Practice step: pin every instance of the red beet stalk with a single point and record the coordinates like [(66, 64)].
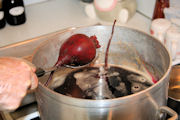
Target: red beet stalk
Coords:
[(107, 49), (77, 50)]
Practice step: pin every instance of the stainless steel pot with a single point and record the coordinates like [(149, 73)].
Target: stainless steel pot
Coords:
[(149, 104), (174, 89)]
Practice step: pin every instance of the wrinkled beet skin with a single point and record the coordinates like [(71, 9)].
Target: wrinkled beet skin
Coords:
[(79, 49)]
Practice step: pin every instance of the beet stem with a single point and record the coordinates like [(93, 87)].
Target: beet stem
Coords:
[(107, 49), (49, 79), (61, 61)]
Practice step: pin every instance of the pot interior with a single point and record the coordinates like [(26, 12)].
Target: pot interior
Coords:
[(130, 50)]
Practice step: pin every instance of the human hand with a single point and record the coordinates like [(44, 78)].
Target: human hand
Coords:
[(16, 77)]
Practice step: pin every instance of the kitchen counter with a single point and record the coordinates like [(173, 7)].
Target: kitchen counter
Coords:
[(54, 15)]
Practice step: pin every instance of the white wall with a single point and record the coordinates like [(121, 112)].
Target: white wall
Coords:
[(29, 2), (146, 7)]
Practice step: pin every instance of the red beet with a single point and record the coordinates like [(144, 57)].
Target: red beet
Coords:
[(77, 50)]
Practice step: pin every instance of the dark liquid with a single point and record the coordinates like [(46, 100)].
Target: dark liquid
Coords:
[(85, 83)]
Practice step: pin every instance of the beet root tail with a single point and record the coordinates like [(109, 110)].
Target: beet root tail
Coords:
[(95, 41)]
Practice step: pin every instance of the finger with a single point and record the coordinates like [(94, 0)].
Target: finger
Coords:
[(11, 100), (11, 60), (32, 66), (34, 81), (18, 91), (11, 103)]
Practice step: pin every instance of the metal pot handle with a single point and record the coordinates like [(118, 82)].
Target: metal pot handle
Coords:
[(162, 110), (169, 111)]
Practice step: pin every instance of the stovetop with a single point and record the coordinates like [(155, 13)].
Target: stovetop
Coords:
[(26, 112)]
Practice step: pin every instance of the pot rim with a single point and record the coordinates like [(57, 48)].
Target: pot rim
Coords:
[(142, 94), (177, 100)]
